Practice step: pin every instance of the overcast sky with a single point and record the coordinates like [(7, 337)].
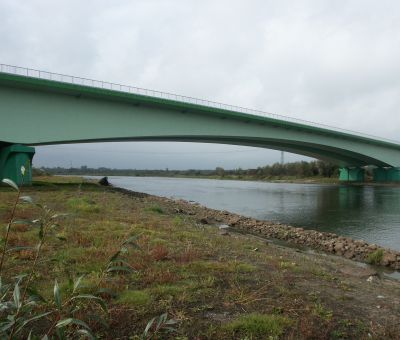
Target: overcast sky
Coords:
[(333, 62)]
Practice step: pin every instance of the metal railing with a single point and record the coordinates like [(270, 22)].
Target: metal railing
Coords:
[(32, 73)]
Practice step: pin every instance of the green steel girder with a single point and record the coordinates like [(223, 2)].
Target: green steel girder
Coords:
[(41, 112)]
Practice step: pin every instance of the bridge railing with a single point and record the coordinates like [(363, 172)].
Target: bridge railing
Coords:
[(32, 73)]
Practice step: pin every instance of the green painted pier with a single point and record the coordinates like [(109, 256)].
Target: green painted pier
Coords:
[(43, 108)]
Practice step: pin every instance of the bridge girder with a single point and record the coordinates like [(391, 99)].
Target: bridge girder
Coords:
[(41, 112)]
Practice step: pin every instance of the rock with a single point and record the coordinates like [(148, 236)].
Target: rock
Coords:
[(339, 246), (104, 181), (349, 254), (388, 258), (223, 226)]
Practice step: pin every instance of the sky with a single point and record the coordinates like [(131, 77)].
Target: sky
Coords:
[(332, 62)]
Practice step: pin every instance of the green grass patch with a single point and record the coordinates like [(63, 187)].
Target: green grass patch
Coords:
[(83, 204), (245, 268), (259, 326), (135, 298), (375, 257), (166, 290), (156, 209)]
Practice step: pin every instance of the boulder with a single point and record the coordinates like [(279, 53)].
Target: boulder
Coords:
[(388, 258)]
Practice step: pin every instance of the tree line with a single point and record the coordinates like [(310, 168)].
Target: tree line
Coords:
[(294, 169)]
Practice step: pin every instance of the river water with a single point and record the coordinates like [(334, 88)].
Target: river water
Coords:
[(371, 213)]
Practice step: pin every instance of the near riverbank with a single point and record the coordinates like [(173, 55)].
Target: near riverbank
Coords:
[(357, 250), (216, 283)]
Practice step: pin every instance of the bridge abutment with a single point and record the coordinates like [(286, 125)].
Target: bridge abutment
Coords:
[(387, 174), (12, 158), (352, 174)]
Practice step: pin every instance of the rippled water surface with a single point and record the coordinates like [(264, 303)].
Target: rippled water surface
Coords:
[(371, 213)]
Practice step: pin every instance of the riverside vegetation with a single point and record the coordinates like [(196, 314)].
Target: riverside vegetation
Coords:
[(81, 260), (318, 171)]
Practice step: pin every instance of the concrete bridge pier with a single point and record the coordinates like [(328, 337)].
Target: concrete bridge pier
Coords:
[(352, 174), (390, 174), (12, 158)]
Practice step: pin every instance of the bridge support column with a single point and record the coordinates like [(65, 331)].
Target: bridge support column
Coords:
[(351, 174), (12, 158), (386, 175)]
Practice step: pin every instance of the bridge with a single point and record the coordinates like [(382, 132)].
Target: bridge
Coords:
[(43, 108)]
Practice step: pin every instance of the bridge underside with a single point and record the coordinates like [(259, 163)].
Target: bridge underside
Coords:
[(41, 112), (12, 157)]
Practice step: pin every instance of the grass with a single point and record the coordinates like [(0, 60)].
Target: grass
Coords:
[(375, 257), (83, 205), (134, 298), (216, 286), (258, 326), (156, 209)]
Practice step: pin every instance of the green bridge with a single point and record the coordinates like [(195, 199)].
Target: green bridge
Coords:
[(42, 108)]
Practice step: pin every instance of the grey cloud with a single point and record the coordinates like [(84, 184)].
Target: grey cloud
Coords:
[(333, 62)]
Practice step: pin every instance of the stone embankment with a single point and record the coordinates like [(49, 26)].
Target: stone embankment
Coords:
[(328, 242)]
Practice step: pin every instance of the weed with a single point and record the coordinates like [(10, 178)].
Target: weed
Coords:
[(159, 253), (375, 257), (158, 325), (322, 312)]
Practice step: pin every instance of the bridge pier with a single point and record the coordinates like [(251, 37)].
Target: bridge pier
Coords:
[(12, 158), (386, 174), (352, 174)]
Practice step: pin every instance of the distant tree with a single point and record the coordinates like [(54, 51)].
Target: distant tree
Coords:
[(219, 171)]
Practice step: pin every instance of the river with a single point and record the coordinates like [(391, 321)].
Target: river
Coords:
[(370, 213)]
